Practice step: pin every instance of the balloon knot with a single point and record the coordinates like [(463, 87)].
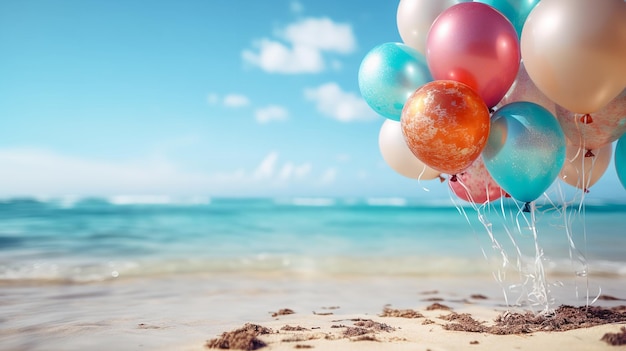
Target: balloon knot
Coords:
[(441, 178), (589, 153), (526, 207), (491, 110), (453, 178), (586, 119), (586, 190)]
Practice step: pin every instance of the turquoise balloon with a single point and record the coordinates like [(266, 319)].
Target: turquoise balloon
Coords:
[(389, 74), (525, 150), (515, 10), (620, 160)]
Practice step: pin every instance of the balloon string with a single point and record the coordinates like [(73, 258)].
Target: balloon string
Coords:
[(540, 288)]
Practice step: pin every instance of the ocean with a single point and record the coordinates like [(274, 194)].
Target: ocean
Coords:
[(161, 273), (74, 240), (93, 239)]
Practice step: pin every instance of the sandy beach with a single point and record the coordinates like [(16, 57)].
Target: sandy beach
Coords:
[(186, 312)]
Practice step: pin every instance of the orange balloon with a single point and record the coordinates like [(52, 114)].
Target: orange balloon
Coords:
[(446, 125)]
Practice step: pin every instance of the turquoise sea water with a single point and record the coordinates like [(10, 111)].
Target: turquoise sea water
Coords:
[(87, 240), (136, 273)]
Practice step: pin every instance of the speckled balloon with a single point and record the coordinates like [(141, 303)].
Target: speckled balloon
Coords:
[(607, 125), (476, 185), (523, 89), (389, 74), (525, 151), (446, 125)]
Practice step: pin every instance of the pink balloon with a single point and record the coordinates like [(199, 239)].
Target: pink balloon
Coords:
[(523, 89), (473, 43), (475, 184), (607, 124)]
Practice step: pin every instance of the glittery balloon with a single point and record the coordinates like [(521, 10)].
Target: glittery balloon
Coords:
[(389, 74), (605, 125), (475, 184), (523, 89), (525, 151), (446, 125), (620, 160)]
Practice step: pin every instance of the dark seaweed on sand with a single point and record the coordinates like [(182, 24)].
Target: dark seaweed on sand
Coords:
[(564, 318), (244, 338)]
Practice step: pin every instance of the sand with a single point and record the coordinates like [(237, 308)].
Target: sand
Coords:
[(427, 329), (187, 312)]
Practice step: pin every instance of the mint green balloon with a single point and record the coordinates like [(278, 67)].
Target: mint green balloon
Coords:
[(515, 10), (620, 160), (525, 150), (389, 74)]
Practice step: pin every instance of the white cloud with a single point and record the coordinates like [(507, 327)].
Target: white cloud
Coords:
[(271, 113), (328, 177), (322, 34), (266, 169), (236, 100), (303, 47), (275, 57), (343, 106), (302, 170), (37, 172)]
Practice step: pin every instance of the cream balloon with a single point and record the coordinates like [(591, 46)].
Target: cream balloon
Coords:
[(523, 89), (575, 51), (414, 18), (397, 154), (582, 169)]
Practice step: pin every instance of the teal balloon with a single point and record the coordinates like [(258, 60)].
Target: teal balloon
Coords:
[(525, 150), (515, 10), (389, 74), (620, 160)]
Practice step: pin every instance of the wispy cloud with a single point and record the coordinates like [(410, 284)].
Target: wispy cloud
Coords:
[(271, 113), (266, 169), (229, 100), (343, 106), (236, 100), (300, 47), (37, 172), (328, 177)]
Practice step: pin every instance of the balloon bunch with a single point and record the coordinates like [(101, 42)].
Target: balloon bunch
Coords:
[(504, 96)]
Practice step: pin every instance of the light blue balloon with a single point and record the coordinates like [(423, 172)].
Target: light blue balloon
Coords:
[(525, 150), (389, 74), (620, 160), (515, 10)]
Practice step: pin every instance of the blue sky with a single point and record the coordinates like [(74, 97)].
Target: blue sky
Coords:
[(188, 98)]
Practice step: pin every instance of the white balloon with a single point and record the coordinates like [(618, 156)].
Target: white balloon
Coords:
[(414, 18), (397, 154)]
